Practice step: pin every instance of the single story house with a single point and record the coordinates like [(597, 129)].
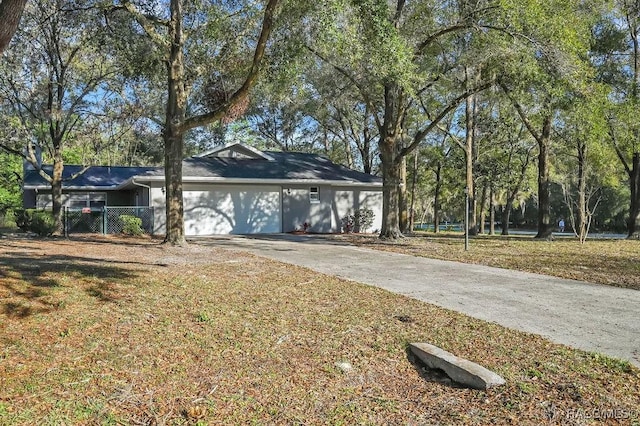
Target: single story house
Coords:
[(234, 189)]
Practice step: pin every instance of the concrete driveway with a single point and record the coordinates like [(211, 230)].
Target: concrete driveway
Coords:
[(582, 315)]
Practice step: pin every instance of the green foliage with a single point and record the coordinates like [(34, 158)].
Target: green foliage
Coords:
[(43, 223), (38, 221), (7, 219), (203, 317), (10, 197), (131, 225), (22, 219), (360, 221)]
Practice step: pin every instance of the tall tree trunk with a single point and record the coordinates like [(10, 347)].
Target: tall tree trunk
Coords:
[(544, 183), (56, 191), (365, 148), (173, 134), (505, 218), (10, 14), (469, 157), (582, 194), (414, 179), (390, 139), (492, 210), (633, 224), (404, 199), (544, 141), (481, 210), (436, 199), (508, 207), (391, 171)]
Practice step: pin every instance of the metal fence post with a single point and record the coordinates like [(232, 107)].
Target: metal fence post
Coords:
[(104, 220)]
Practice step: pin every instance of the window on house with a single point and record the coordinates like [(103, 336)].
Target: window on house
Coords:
[(314, 194), (75, 200), (94, 200)]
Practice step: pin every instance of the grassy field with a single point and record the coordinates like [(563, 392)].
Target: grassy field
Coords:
[(610, 262), (128, 331)]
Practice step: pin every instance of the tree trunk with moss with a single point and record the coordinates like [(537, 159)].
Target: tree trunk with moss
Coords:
[(173, 134), (177, 123), (544, 183), (391, 161), (633, 225), (10, 14)]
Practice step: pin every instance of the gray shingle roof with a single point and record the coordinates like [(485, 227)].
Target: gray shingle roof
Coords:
[(285, 166), (101, 177)]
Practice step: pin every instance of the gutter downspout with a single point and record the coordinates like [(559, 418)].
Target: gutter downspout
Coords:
[(133, 181)]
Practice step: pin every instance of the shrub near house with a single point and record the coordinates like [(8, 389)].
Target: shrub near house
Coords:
[(37, 221), (131, 225), (360, 221)]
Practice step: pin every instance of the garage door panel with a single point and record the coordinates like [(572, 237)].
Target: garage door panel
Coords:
[(232, 210)]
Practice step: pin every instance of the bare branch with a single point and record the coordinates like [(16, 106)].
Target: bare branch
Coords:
[(75, 175), (251, 78), (149, 23), (447, 131), (618, 150), (453, 104), (433, 37), (523, 116)]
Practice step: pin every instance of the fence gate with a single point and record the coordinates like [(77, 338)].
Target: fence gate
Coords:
[(105, 220)]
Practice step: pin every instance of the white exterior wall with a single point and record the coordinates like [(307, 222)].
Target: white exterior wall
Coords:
[(212, 209), (157, 201), (232, 209), (299, 209), (346, 200)]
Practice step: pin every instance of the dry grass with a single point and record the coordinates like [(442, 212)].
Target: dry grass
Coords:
[(610, 262), (114, 331)]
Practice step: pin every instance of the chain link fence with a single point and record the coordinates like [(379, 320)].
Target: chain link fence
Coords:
[(105, 220)]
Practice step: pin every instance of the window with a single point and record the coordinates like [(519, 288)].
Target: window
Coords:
[(95, 200), (75, 200), (314, 194)]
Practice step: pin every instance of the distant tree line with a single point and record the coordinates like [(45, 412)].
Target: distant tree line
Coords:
[(530, 107)]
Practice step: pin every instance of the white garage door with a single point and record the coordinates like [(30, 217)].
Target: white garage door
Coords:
[(232, 209)]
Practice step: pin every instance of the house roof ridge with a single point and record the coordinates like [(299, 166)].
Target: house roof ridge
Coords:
[(210, 153)]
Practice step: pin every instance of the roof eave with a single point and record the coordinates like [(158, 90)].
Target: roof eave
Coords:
[(74, 188), (217, 179)]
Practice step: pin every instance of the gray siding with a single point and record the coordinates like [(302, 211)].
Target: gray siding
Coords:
[(297, 209), (346, 200)]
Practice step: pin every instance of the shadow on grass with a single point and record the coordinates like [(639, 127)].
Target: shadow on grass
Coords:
[(434, 375), (241, 242), (129, 241), (28, 281)]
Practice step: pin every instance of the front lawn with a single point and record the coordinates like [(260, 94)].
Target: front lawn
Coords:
[(127, 331), (610, 262)]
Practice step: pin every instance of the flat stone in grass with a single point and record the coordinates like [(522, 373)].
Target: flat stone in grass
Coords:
[(460, 370)]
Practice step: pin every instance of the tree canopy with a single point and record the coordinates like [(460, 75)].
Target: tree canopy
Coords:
[(531, 106)]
